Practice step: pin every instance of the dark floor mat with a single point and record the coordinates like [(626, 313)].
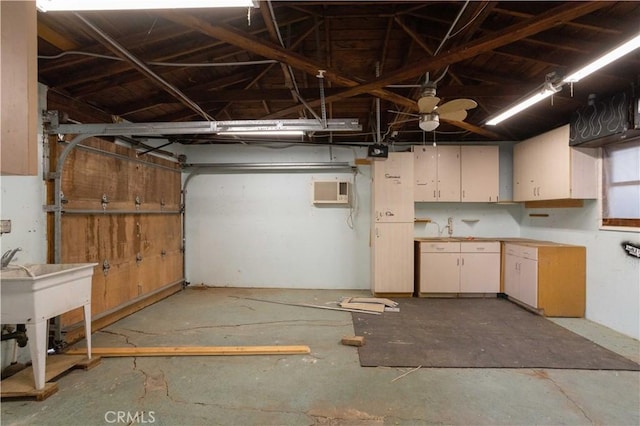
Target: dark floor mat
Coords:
[(476, 333)]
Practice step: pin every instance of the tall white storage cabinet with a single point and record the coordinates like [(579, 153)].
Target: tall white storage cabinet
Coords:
[(392, 225)]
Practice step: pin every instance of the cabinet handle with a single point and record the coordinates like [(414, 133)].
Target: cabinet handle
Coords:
[(458, 262), (438, 193), (463, 261), (434, 193), (463, 194)]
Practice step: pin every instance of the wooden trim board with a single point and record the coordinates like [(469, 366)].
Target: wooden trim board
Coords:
[(195, 351)]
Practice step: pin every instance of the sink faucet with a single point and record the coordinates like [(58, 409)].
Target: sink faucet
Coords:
[(450, 226), (8, 256)]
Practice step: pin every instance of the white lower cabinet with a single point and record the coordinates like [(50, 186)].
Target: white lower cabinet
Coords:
[(392, 263), (550, 277), (521, 273), (459, 267)]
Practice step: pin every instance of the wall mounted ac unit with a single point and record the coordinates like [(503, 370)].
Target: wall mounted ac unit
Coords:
[(331, 192)]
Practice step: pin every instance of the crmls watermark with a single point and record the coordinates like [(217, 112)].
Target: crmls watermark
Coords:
[(129, 417)]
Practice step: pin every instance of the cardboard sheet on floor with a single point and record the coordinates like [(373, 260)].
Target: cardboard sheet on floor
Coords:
[(476, 333)]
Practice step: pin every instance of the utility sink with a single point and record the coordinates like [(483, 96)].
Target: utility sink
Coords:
[(33, 293)]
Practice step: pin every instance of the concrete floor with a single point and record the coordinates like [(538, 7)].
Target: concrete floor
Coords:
[(325, 387)]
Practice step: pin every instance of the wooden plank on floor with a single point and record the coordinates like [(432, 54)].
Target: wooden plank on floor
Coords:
[(196, 350), (373, 307), (384, 301), (22, 384), (353, 340)]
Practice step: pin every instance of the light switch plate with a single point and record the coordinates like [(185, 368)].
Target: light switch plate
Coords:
[(5, 226)]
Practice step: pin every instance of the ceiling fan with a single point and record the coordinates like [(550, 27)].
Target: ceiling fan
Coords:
[(431, 113)]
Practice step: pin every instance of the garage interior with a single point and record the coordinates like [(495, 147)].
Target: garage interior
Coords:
[(149, 144)]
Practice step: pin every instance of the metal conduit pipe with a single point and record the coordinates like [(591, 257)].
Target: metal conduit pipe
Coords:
[(144, 69)]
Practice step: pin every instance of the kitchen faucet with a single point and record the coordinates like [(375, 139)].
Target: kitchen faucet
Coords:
[(8, 256), (450, 226)]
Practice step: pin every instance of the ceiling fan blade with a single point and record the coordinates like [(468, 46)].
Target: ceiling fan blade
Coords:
[(427, 104), (457, 104), (458, 115)]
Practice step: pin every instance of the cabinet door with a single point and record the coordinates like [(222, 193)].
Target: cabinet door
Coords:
[(448, 173), (425, 173), (393, 188), (480, 273), (392, 263), (479, 173), (523, 170), (553, 173), (439, 272), (511, 275), (528, 282)]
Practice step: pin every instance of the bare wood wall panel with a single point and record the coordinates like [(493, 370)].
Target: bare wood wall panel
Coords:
[(19, 88), (143, 250)]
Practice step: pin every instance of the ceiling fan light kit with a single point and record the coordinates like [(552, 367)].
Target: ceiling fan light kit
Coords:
[(430, 112), (429, 122)]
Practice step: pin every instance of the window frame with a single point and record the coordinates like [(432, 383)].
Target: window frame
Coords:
[(613, 224)]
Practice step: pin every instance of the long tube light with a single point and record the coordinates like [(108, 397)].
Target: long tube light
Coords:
[(550, 89), (604, 60), (265, 133), (79, 5), (524, 104)]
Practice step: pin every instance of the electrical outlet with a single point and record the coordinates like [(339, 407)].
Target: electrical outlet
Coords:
[(5, 226)]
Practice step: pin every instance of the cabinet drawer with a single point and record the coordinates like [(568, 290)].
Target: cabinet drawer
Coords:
[(522, 251), (480, 247), (437, 247)]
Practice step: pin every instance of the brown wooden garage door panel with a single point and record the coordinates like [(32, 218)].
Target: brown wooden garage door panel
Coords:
[(87, 176), (143, 250)]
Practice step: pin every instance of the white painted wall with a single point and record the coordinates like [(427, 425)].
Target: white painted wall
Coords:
[(492, 219), (613, 277), (262, 230)]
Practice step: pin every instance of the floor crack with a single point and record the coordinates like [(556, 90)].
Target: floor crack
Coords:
[(114, 333), (544, 375), (291, 323)]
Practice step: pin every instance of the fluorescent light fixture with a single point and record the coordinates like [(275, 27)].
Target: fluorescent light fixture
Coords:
[(265, 133), (550, 88), (547, 91), (604, 60), (78, 5)]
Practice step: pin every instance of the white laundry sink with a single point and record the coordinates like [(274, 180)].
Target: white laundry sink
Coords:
[(33, 293)]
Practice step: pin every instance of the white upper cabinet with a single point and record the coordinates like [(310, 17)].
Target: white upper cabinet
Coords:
[(480, 173), (437, 173), (450, 173), (545, 167)]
